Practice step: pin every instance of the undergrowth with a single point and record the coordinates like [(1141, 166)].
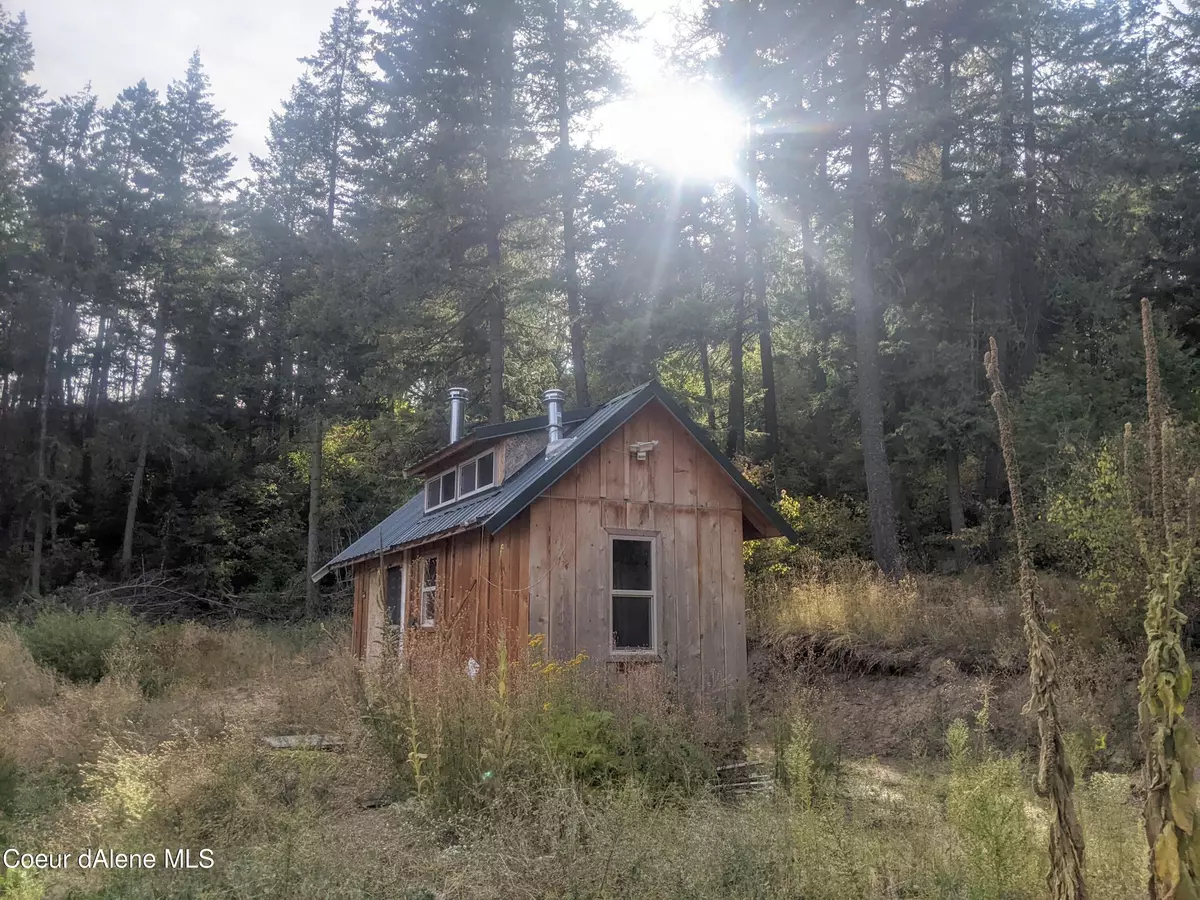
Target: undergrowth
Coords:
[(531, 779)]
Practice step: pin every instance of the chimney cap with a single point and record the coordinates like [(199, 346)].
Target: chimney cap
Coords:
[(554, 394), (459, 393)]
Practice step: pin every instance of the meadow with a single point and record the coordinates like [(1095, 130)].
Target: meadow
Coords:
[(539, 779)]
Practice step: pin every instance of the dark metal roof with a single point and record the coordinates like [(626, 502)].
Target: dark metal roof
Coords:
[(481, 434), (410, 524)]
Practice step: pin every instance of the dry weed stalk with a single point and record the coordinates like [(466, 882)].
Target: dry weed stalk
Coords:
[(1055, 780), (1168, 544)]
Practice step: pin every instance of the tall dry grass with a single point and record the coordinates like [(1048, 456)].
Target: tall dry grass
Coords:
[(851, 598), (178, 761)]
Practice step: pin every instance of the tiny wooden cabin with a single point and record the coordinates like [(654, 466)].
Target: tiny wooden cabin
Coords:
[(614, 532)]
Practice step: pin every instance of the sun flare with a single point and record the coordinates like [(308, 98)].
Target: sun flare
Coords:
[(687, 130)]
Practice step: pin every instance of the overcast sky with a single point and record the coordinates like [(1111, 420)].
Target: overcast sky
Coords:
[(249, 49)]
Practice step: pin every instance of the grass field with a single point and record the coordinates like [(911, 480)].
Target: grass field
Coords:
[(535, 781)]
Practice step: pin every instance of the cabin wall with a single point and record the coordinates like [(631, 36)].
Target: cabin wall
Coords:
[(686, 499), (483, 592)]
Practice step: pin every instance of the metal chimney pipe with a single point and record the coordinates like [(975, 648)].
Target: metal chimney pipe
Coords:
[(458, 407), (553, 399)]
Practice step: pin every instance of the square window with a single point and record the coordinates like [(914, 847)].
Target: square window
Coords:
[(632, 622)]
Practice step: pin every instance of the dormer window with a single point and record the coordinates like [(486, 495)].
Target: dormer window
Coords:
[(440, 490), (477, 474)]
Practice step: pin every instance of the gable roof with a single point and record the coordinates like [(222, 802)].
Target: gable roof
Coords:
[(494, 509)]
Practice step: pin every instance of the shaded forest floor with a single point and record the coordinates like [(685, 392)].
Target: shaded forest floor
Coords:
[(901, 771)]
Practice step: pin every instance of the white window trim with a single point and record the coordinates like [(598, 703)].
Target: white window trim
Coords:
[(432, 621), (438, 478), (635, 652), (471, 461)]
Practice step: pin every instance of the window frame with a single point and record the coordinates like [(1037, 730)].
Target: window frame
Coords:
[(472, 462), (651, 538), (438, 478), (431, 590)]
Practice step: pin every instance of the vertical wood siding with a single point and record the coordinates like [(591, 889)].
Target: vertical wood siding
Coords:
[(684, 497), (549, 571)]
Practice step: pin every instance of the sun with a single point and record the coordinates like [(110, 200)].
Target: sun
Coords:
[(687, 130)]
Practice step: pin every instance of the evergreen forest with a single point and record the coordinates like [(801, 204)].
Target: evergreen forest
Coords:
[(218, 381)]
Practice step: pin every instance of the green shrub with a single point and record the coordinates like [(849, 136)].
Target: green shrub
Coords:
[(986, 804), (598, 750), (76, 644)]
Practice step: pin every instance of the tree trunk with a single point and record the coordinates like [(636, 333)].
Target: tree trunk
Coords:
[(1030, 278), (735, 440), (91, 407), (566, 163), (706, 372), (954, 500), (148, 402), (312, 594), (758, 242), (946, 60), (885, 544), (43, 493), (499, 123)]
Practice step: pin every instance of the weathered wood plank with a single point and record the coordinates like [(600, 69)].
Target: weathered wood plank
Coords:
[(613, 513), (589, 477), (496, 623), (683, 454), (687, 601), (562, 578), (376, 611), (639, 430), (638, 515), (662, 459), (358, 613), (612, 466), (591, 582), (712, 619), (567, 486), (668, 588), (539, 567), (734, 602)]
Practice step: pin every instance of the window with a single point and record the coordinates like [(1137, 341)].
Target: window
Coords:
[(395, 595), (633, 595), (428, 591), (477, 474), (439, 490)]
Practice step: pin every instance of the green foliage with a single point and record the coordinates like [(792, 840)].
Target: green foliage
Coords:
[(76, 644), (829, 529), (986, 802), (1091, 509)]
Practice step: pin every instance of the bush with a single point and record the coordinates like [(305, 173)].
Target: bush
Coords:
[(459, 742), (987, 805), (22, 681), (76, 644), (598, 750)]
